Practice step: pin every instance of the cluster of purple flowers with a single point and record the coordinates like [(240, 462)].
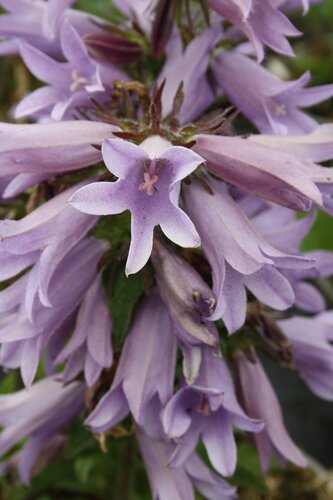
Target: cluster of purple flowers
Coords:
[(115, 132)]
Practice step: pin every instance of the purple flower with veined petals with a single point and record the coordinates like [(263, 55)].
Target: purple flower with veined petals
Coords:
[(207, 410), (44, 236), (268, 102), (28, 325), (281, 228), (189, 299), (244, 258), (188, 67), (91, 337), (38, 23), (316, 146), (142, 11), (144, 377), (178, 483), (311, 339), (50, 148), (261, 402), (149, 185), (38, 413), (278, 176), (260, 21), (71, 84)]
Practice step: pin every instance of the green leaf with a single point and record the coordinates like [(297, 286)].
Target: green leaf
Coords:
[(126, 294), (248, 474), (320, 235)]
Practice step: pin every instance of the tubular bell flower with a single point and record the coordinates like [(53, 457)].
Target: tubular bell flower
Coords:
[(53, 229), (89, 347), (261, 402), (268, 102), (244, 258), (38, 413), (317, 146), (149, 185), (38, 23), (50, 148), (177, 483), (133, 119), (311, 339), (207, 410), (262, 22), (27, 332), (71, 84), (188, 67), (189, 299), (281, 177), (144, 376)]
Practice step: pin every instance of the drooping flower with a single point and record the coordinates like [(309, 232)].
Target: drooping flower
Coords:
[(312, 351), (89, 348), (261, 402), (189, 299), (144, 376), (37, 414), (38, 23), (283, 178), (44, 236), (29, 325), (149, 185), (244, 258), (261, 21), (317, 146), (178, 483), (188, 67), (207, 410), (71, 84), (268, 102), (50, 148)]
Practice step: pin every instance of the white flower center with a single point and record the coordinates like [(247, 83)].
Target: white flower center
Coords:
[(77, 81)]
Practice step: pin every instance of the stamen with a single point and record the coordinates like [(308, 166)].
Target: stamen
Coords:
[(148, 185), (151, 168), (279, 109), (77, 81), (203, 406)]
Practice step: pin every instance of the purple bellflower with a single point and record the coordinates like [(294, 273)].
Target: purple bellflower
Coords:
[(244, 258), (30, 324), (38, 414), (287, 233), (283, 178), (38, 22), (316, 146), (144, 378), (177, 483), (261, 402), (189, 299), (71, 84), (207, 410), (189, 67), (260, 21), (89, 347), (268, 102), (212, 211), (50, 148), (312, 351), (149, 185)]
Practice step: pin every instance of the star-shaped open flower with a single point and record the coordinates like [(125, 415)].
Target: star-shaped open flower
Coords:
[(148, 186)]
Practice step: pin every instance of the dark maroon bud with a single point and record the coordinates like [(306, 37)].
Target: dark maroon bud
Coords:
[(162, 26), (112, 49)]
